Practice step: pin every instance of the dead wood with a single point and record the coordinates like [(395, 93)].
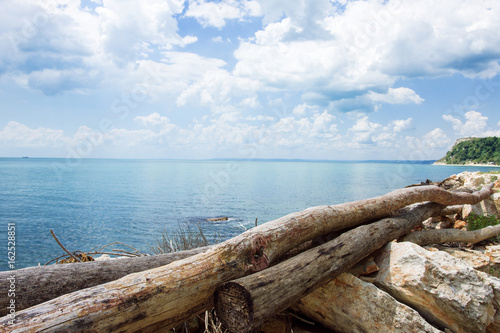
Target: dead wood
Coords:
[(166, 296), (35, 285), (245, 303), (427, 237)]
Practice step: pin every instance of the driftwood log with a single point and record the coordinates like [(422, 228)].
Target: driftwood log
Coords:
[(35, 285), (163, 297), (39, 284), (427, 237), (245, 303)]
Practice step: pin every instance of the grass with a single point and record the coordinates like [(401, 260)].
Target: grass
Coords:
[(184, 238)]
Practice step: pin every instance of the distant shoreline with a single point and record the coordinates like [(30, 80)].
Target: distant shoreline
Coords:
[(468, 164)]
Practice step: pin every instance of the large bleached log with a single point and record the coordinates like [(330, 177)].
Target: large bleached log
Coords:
[(166, 296), (35, 285), (426, 237), (246, 303), (39, 284)]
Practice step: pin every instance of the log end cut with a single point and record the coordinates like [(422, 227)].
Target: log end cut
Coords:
[(234, 307)]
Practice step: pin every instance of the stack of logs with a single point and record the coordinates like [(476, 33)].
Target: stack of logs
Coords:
[(248, 278)]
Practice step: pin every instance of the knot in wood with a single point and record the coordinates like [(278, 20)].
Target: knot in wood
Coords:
[(257, 257)]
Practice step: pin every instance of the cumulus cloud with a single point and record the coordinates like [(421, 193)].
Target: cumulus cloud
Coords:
[(397, 96), (70, 48), (19, 135), (131, 29), (474, 125), (366, 46), (216, 14), (364, 125), (402, 125), (218, 87), (435, 139), (153, 119)]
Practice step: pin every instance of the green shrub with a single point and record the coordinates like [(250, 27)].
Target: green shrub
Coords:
[(476, 222)]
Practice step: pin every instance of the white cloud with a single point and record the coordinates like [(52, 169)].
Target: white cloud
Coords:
[(433, 140), (475, 124), (402, 125), (19, 135), (369, 45), (364, 125), (250, 102), (130, 29), (304, 108), (259, 118), (397, 96), (152, 120), (216, 14), (69, 49), (218, 88)]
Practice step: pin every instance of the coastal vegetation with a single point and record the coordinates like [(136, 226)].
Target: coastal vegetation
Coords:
[(474, 151)]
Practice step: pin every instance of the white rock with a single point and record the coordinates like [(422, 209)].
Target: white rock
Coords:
[(103, 257), (348, 304), (445, 290), (494, 282)]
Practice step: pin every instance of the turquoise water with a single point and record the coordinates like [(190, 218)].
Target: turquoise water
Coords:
[(93, 202)]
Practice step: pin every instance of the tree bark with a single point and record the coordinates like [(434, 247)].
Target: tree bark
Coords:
[(166, 296), (426, 237), (245, 303), (35, 285)]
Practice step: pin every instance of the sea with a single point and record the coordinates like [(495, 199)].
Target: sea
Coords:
[(89, 203)]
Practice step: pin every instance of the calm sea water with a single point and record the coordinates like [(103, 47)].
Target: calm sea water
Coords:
[(93, 202)]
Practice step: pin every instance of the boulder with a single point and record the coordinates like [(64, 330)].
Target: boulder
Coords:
[(445, 290), (348, 304), (469, 181), (477, 259), (494, 282)]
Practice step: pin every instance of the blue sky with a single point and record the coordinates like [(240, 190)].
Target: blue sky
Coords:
[(393, 79)]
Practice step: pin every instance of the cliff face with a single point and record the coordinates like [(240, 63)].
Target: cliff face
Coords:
[(474, 151)]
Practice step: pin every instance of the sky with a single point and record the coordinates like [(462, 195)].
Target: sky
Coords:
[(335, 80)]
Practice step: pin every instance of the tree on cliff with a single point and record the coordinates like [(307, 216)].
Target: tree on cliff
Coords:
[(475, 150)]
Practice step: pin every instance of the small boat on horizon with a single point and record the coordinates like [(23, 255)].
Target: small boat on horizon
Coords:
[(25, 157)]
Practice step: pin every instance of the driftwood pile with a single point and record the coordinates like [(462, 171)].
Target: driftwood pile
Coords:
[(245, 278)]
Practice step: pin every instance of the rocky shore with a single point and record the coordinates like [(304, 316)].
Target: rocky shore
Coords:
[(410, 288)]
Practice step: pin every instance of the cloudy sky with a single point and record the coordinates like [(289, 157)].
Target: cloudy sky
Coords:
[(312, 79)]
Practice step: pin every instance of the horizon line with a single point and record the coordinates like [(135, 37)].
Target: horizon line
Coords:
[(271, 159)]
